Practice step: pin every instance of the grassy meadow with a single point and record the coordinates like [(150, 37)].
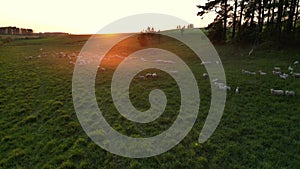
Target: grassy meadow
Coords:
[(39, 127)]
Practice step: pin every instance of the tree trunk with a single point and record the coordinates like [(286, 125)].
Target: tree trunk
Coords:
[(234, 18), (252, 14), (279, 18), (241, 16), (225, 21)]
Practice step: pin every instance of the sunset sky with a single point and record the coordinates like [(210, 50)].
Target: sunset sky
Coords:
[(88, 16)]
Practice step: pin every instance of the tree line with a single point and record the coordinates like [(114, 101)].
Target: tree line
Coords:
[(253, 20)]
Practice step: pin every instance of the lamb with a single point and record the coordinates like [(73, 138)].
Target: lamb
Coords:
[(262, 73), (277, 92), (290, 93)]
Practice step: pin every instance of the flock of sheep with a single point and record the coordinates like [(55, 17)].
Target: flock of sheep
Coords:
[(220, 85), (276, 72)]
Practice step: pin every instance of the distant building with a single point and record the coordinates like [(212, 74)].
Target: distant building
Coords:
[(15, 31), (54, 34)]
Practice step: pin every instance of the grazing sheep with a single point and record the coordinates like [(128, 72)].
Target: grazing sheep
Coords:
[(277, 69), (222, 86), (277, 73), (290, 93), (290, 69), (262, 73), (277, 92), (284, 76), (205, 75), (148, 75), (237, 90), (251, 51), (296, 63), (296, 75), (174, 72), (245, 72), (141, 77), (215, 80), (154, 75), (205, 62)]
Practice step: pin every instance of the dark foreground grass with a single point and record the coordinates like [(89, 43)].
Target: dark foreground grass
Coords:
[(39, 127)]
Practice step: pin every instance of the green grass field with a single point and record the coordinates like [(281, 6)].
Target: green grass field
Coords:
[(39, 127)]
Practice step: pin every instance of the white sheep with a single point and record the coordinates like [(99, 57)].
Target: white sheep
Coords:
[(250, 52), (284, 76), (141, 77), (277, 73), (245, 71), (290, 69), (174, 72), (248, 72), (262, 73), (296, 63), (237, 90), (277, 68), (290, 93), (154, 75), (215, 80), (148, 75), (205, 75), (205, 62), (296, 75), (277, 92), (222, 86)]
